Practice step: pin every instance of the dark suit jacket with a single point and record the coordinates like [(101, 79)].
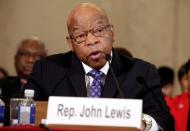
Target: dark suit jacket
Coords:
[(63, 75), (11, 88)]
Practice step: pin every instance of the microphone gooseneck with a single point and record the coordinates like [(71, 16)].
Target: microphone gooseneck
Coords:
[(108, 57)]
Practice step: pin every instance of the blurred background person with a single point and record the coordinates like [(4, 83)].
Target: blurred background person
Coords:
[(179, 105), (182, 78), (3, 73), (29, 51), (188, 74), (167, 80)]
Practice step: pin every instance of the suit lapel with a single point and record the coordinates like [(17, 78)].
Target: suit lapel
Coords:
[(110, 88), (78, 83), (77, 77), (120, 67)]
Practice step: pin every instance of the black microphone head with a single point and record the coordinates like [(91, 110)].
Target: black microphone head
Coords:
[(107, 57)]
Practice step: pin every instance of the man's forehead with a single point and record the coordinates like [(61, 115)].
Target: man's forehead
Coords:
[(85, 14), (86, 9), (31, 46), (88, 25)]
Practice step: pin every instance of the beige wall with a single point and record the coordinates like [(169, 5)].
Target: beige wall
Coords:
[(153, 30)]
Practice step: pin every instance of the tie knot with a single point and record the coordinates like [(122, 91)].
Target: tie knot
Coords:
[(96, 74)]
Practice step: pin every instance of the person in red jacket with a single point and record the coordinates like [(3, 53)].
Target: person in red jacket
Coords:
[(179, 105)]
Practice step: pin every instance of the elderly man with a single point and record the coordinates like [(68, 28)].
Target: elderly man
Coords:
[(29, 51), (85, 71)]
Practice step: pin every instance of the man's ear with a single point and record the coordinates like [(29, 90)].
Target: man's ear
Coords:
[(113, 33), (70, 43)]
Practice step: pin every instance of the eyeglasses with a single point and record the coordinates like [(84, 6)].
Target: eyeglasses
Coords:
[(82, 36)]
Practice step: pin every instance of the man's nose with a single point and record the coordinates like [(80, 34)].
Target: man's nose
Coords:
[(91, 39), (32, 58)]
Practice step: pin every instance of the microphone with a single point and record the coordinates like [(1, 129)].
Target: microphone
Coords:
[(142, 81), (108, 57)]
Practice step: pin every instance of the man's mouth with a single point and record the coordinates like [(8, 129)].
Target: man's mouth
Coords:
[(95, 55), (29, 69)]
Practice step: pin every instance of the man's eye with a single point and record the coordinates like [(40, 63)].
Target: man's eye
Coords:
[(80, 36), (23, 53), (99, 30)]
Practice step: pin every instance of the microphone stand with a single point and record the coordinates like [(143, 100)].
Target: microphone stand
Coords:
[(108, 57)]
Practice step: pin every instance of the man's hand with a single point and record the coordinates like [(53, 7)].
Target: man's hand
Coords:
[(143, 125)]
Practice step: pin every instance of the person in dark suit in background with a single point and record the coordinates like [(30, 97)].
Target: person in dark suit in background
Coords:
[(75, 73), (167, 80), (29, 51)]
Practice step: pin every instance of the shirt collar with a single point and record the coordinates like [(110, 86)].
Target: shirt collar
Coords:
[(104, 69)]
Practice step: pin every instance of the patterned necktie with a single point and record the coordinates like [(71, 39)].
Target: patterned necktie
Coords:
[(96, 87)]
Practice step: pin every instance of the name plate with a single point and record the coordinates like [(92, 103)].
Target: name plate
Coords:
[(94, 111)]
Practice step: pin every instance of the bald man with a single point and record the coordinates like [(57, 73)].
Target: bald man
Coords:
[(85, 72), (29, 51)]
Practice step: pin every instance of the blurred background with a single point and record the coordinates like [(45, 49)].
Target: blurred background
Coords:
[(157, 31)]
